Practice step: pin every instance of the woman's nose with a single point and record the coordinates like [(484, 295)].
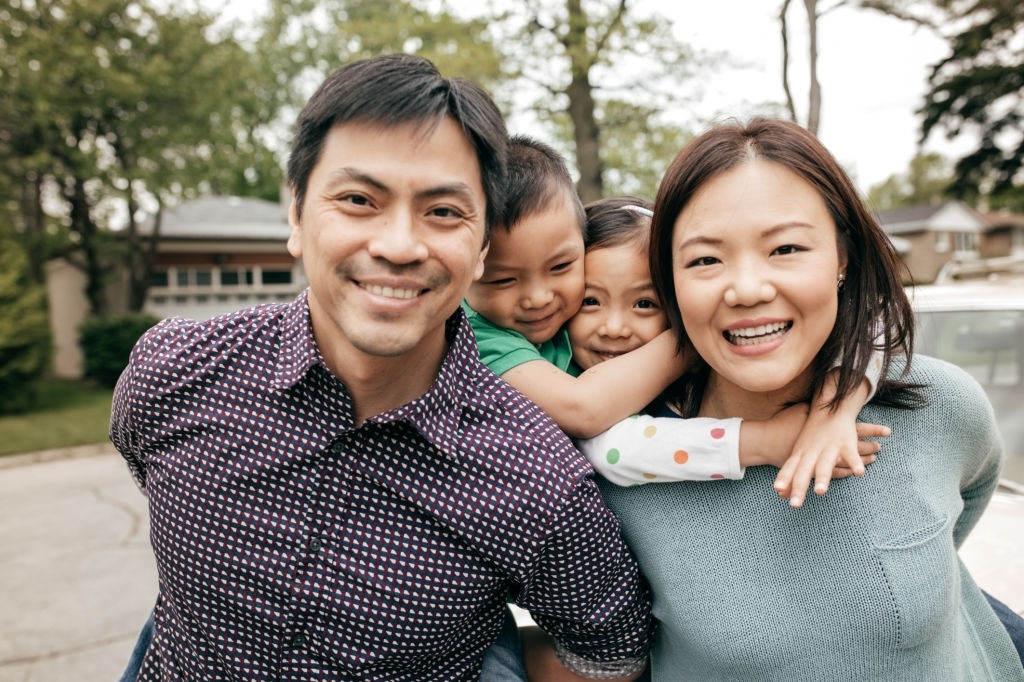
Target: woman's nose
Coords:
[(749, 286)]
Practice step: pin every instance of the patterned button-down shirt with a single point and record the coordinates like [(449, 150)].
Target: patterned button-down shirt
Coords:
[(292, 545)]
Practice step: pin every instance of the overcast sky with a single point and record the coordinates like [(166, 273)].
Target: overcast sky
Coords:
[(872, 70)]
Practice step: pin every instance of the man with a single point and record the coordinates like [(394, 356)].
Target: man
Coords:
[(338, 489)]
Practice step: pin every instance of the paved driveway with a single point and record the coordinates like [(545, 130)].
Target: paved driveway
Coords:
[(77, 577)]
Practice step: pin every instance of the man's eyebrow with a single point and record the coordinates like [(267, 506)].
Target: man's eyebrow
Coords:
[(457, 189)]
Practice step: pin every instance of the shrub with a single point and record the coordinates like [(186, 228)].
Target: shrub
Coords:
[(25, 346), (106, 342)]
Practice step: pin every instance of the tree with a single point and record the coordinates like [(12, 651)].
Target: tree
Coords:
[(926, 182), (132, 107), (976, 91), (600, 72), (24, 329)]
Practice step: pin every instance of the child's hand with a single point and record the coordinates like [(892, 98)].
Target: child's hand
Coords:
[(829, 446)]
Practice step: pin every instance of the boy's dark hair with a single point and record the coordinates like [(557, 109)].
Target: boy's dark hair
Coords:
[(393, 90), (615, 221), (537, 176)]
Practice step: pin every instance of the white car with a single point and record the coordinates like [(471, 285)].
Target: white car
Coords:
[(979, 325)]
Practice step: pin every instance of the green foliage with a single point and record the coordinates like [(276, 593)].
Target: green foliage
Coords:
[(24, 330), (925, 182), (107, 342), (978, 90)]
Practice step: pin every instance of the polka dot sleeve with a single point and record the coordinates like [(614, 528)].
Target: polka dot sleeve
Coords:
[(644, 449)]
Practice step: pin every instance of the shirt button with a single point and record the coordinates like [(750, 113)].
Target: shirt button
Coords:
[(314, 544), (299, 640), (337, 448)]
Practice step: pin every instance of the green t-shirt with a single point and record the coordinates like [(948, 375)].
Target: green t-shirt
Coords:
[(502, 349)]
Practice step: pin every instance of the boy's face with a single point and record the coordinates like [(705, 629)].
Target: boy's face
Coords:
[(620, 311), (533, 274)]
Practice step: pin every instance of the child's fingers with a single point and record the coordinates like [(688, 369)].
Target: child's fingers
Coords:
[(865, 430), (802, 474), (868, 447), (843, 471)]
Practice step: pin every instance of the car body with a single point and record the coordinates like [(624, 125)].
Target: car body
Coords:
[(978, 324)]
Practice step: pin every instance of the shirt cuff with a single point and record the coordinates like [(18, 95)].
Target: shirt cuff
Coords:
[(599, 670)]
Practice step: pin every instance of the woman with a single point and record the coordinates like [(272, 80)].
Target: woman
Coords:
[(771, 267)]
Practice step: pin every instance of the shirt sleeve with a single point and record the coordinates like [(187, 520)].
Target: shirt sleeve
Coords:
[(644, 449), (586, 591)]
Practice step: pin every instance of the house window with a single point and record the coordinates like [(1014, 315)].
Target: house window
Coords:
[(159, 278), (271, 277), (182, 277), (204, 277), (1017, 241), (236, 277), (941, 242), (965, 243)]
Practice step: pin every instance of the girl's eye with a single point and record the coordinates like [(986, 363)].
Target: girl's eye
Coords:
[(589, 301), (647, 304)]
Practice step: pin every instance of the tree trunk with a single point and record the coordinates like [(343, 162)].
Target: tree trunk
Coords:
[(83, 225), (586, 134), (814, 94)]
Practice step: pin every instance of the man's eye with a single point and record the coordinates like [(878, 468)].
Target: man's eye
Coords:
[(446, 212)]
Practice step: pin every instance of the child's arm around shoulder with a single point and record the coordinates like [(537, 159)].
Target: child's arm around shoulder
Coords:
[(586, 405)]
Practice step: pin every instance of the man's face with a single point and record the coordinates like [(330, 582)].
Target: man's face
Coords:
[(533, 280), (391, 236)]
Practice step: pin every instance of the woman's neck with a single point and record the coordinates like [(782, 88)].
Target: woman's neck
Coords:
[(723, 400)]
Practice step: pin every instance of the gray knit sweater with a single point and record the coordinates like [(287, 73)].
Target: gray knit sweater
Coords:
[(863, 583)]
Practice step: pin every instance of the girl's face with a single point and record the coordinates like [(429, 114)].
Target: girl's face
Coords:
[(620, 312), (756, 265)]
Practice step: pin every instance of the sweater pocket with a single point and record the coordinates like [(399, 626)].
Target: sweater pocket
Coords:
[(920, 572)]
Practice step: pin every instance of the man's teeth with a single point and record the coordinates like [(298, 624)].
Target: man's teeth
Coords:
[(391, 292), (759, 334)]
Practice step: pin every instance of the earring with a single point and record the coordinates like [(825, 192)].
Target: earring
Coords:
[(842, 280)]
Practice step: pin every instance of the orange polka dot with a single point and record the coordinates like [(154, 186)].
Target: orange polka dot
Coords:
[(650, 431), (681, 456)]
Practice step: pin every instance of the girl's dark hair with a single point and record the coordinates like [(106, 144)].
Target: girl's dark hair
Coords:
[(615, 221), (393, 90), (874, 311)]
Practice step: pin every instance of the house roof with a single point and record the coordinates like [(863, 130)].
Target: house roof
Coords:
[(235, 218), (952, 216)]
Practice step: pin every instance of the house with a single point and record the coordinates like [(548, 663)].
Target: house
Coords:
[(216, 255), (930, 235)]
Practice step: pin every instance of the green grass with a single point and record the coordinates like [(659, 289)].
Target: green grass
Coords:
[(67, 413)]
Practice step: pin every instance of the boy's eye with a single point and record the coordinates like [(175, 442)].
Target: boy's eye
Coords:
[(561, 267), (502, 281)]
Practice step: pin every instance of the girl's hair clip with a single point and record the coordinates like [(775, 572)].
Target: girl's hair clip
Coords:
[(639, 209)]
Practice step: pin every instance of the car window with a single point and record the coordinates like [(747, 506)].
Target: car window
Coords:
[(989, 344)]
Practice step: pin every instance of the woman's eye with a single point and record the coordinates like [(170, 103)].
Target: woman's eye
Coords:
[(702, 261), (787, 249)]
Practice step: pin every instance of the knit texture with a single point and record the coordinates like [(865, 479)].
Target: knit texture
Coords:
[(863, 583)]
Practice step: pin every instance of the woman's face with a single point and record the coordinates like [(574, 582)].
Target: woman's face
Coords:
[(620, 311), (756, 266)]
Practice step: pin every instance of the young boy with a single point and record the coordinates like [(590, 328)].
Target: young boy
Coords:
[(533, 283)]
